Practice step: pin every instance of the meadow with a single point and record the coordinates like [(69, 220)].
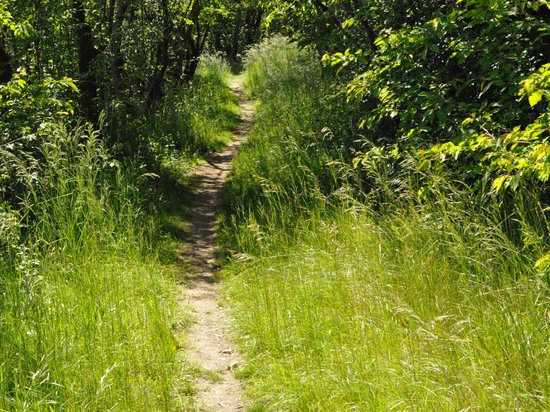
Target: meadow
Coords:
[(89, 268)]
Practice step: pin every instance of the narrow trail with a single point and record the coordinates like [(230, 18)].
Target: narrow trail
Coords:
[(209, 345)]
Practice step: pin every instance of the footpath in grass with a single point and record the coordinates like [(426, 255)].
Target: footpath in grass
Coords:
[(90, 261), (210, 348)]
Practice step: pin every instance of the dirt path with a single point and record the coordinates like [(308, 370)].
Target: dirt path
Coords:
[(209, 344)]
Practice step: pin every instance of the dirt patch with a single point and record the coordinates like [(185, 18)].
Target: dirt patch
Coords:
[(210, 347)]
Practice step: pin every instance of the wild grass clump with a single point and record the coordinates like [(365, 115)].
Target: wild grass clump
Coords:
[(291, 163), (275, 64), (86, 311), (401, 303), (414, 310), (198, 117)]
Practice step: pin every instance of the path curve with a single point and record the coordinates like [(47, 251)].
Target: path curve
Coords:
[(209, 345)]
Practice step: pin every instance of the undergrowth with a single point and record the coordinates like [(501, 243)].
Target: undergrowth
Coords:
[(88, 312), (345, 300), (195, 119)]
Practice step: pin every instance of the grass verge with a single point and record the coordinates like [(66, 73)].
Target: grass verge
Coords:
[(356, 305), (88, 270)]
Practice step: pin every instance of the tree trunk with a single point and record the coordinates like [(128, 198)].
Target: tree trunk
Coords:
[(254, 24), (195, 54), (117, 11), (236, 37), (365, 22), (87, 53), (6, 69), (180, 46), (155, 92), (195, 40)]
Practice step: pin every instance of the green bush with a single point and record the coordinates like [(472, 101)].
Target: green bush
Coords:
[(194, 119)]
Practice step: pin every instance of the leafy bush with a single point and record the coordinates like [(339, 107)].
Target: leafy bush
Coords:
[(195, 118), (515, 158)]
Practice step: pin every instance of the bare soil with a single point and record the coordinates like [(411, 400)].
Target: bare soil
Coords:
[(209, 344)]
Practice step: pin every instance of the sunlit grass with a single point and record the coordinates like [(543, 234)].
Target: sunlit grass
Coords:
[(89, 273), (87, 311), (346, 304), (197, 117), (394, 313)]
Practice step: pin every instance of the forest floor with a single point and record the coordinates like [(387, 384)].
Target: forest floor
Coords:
[(209, 344)]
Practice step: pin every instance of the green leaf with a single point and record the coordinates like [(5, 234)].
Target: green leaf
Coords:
[(535, 97), (543, 263), (498, 182)]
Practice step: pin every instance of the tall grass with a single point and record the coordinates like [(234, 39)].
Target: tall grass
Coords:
[(88, 313), (85, 314), (291, 163), (195, 118), (411, 306)]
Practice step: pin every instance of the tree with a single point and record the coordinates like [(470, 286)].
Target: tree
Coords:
[(87, 53)]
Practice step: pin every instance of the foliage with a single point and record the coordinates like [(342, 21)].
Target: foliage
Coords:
[(122, 57), (194, 119), (441, 77), (87, 313), (197, 117), (521, 155), (235, 27), (347, 301)]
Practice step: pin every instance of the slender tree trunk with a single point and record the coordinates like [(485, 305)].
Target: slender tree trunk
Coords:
[(6, 69), (236, 37), (196, 40), (180, 45), (87, 53), (365, 22), (117, 12), (254, 24), (155, 92)]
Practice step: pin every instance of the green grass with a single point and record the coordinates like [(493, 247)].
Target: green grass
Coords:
[(86, 311), (403, 312), (194, 119), (89, 271), (199, 117), (350, 301)]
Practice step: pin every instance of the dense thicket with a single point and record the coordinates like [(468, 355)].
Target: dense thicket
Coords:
[(75, 59), (469, 75), (458, 89)]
